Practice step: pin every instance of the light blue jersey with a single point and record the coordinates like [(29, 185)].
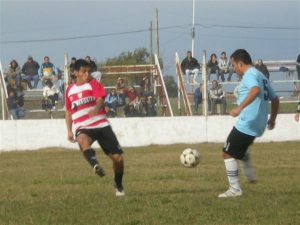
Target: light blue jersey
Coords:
[(253, 118)]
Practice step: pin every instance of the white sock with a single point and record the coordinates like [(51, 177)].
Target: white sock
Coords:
[(248, 168), (232, 173)]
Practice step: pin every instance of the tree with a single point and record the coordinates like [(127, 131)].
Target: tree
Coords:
[(171, 85), (138, 56)]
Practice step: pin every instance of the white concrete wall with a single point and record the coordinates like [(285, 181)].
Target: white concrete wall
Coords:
[(36, 134)]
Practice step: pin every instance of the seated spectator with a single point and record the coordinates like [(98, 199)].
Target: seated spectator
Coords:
[(48, 71), (92, 64), (30, 70), (151, 106), (262, 68), (130, 111), (146, 87), (224, 67), (14, 72), (14, 108), (50, 94), (198, 98), (112, 101), (121, 90), (190, 67), (217, 96), (212, 66)]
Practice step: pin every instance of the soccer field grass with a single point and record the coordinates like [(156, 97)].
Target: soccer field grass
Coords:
[(57, 186)]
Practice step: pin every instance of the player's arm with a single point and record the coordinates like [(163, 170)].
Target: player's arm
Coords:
[(274, 112), (99, 105), (69, 126), (297, 115), (253, 93)]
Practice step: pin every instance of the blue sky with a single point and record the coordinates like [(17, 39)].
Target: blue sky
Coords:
[(221, 26)]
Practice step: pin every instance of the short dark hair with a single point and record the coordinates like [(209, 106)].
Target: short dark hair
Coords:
[(80, 63), (241, 55)]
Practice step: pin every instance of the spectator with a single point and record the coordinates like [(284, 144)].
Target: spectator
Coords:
[(198, 97), (31, 71), (298, 70), (262, 68), (15, 109), (72, 77), (92, 64), (223, 66), (121, 90), (112, 101), (146, 87), (190, 67), (217, 96), (151, 106), (50, 93), (212, 66), (230, 71), (14, 72), (48, 71)]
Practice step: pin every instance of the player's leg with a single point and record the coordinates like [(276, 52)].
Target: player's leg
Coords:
[(235, 149), (248, 168), (110, 145), (85, 143), (118, 167)]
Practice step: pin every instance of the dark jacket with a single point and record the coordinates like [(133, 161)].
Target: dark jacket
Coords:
[(31, 68), (93, 66), (191, 64)]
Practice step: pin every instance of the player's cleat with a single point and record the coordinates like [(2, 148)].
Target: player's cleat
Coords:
[(119, 191), (231, 192), (99, 170)]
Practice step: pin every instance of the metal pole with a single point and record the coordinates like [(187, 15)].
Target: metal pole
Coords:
[(193, 30), (157, 34), (151, 43), (204, 80)]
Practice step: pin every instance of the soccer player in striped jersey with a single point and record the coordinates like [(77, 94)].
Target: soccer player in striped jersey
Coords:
[(86, 116), (254, 94)]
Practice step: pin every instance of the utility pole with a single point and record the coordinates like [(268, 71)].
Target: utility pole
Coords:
[(193, 30), (151, 43), (157, 34)]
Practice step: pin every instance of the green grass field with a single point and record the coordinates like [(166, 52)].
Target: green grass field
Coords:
[(57, 186)]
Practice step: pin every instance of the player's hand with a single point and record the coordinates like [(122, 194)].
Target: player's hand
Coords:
[(271, 124), (71, 137), (297, 116), (93, 112), (235, 112)]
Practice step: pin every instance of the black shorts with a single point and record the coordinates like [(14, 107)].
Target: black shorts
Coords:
[(237, 144), (105, 137)]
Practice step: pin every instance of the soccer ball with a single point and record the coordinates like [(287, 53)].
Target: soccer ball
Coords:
[(190, 157)]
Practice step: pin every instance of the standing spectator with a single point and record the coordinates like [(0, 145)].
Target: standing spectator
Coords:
[(92, 64), (297, 115), (31, 71), (50, 92), (217, 96), (223, 66), (72, 77), (14, 72), (190, 67), (151, 106), (121, 90), (212, 66), (198, 97), (48, 71), (262, 68), (111, 101), (14, 104), (146, 87)]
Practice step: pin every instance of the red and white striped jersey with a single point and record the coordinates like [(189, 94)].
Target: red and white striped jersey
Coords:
[(80, 100)]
